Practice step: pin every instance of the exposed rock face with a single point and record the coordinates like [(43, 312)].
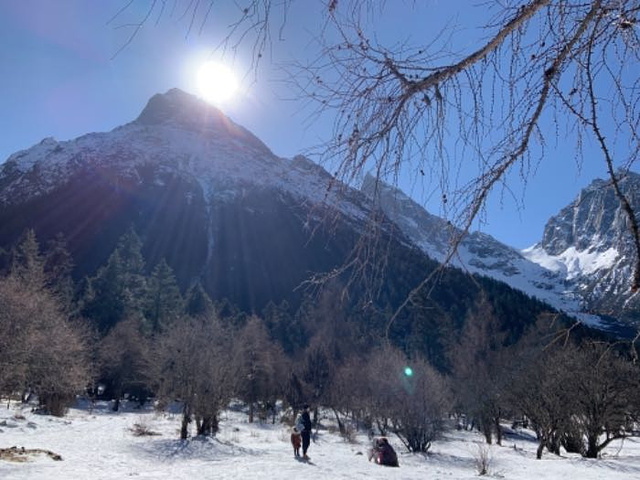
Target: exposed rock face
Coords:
[(583, 265), (479, 253), (590, 243)]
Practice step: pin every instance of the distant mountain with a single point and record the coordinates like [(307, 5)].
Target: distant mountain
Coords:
[(589, 245), (582, 266), (211, 199)]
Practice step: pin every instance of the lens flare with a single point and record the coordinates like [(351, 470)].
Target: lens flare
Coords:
[(216, 82)]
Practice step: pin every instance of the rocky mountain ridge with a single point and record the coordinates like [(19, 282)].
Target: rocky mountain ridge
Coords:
[(589, 244), (582, 266)]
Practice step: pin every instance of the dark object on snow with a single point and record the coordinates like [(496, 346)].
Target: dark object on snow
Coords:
[(21, 454), (383, 453), (296, 441), (303, 423)]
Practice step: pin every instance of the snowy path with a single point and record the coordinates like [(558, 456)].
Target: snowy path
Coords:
[(100, 445)]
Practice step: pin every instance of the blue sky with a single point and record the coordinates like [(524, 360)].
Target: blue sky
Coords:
[(60, 78)]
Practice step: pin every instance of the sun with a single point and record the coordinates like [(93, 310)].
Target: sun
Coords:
[(216, 82)]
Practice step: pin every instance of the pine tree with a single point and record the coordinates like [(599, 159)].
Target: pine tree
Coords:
[(58, 265), (27, 263), (282, 326), (197, 301), (106, 305), (163, 299), (134, 282), (119, 287)]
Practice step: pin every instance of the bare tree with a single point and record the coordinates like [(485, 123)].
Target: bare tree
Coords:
[(478, 372), (540, 391), (605, 388), (349, 393), (123, 360), (258, 363), (191, 365), (403, 396), (41, 352), (396, 106), (418, 416)]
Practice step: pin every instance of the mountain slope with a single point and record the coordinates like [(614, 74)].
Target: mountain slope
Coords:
[(212, 200), (478, 253), (205, 194), (589, 244), (582, 266)]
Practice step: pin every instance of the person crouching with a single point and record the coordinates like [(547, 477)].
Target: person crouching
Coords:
[(296, 441), (383, 453)]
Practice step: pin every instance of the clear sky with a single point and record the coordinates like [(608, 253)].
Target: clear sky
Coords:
[(60, 78)]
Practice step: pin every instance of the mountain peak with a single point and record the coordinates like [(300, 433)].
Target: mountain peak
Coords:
[(185, 111), (177, 106)]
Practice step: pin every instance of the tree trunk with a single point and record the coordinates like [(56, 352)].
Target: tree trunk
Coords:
[(498, 430), (250, 412), (186, 419), (340, 424), (553, 444), (540, 449), (206, 426), (592, 447), (486, 431)]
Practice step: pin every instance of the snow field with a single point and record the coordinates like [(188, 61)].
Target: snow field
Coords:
[(100, 444)]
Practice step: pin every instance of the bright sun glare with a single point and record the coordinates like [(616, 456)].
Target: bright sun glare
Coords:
[(216, 82)]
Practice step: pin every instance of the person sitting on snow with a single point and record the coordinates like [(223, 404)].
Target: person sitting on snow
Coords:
[(383, 453)]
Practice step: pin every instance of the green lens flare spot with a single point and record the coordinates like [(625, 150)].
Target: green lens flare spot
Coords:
[(408, 371)]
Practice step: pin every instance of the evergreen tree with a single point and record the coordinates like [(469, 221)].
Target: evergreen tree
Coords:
[(134, 282), (105, 303), (197, 301), (27, 263), (283, 327), (163, 299), (58, 266), (119, 287), (130, 248)]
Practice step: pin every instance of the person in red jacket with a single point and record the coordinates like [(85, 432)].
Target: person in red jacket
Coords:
[(296, 441)]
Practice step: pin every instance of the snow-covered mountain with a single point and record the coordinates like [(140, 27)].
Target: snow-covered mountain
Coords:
[(212, 200), (582, 266), (176, 133), (589, 244), (203, 192)]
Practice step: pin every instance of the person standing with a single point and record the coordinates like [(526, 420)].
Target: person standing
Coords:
[(303, 424)]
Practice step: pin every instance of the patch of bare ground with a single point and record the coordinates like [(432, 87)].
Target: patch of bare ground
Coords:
[(21, 454)]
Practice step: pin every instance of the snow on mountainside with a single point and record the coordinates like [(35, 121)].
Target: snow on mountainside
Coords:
[(176, 132), (203, 193), (589, 243), (582, 264), (482, 254)]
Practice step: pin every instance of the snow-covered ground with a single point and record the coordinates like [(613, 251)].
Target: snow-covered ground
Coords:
[(99, 444)]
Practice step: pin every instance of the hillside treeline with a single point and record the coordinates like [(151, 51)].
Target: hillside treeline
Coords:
[(130, 332)]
